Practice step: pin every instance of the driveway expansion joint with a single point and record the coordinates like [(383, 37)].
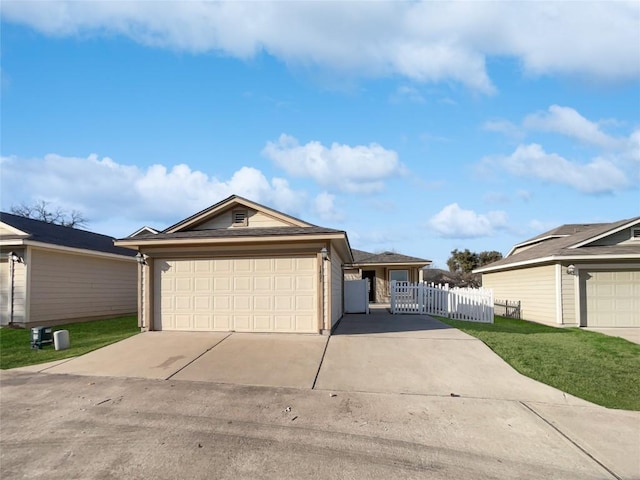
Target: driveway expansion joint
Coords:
[(196, 358), (570, 440)]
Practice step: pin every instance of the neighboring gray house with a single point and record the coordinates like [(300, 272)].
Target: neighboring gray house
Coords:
[(381, 268), (579, 274), (50, 274)]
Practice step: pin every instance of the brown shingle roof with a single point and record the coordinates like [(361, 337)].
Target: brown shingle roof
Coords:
[(561, 246), (238, 232), (362, 257)]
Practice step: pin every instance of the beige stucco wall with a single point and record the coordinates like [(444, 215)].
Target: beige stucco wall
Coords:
[(19, 289), (535, 287), (69, 286)]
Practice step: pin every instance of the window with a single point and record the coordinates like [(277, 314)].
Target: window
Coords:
[(399, 275), (239, 218)]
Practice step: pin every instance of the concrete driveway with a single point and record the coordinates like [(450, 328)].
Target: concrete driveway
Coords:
[(376, 353), (428, 399)]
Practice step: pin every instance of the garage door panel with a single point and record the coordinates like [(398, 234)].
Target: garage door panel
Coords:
[(262, 323), (612, 298), (242, 283), (222, 284), (202, 322), (247, 294), (284, 283), (283, 323), (222, 322), (263, 303), (262, 284), (242, 323), (242, 265)]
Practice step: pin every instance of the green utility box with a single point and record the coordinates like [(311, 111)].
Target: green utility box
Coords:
[(41, 336)]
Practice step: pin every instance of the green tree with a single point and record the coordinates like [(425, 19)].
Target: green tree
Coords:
[(463, 262)]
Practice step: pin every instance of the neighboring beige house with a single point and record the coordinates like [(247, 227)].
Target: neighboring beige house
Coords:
[(580, 275), (381, 268), (241, 266), (51, 274)]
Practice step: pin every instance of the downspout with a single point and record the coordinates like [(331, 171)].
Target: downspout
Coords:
[(12, 268), (13, 258), (142, 262)]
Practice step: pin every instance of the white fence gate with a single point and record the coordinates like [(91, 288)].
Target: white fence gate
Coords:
[(471, 304), (356, 296)]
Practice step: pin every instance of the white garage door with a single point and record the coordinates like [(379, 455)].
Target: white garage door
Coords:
[(613, 298), (240, 294)]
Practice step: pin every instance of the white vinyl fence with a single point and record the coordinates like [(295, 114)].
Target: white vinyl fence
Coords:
[(471, 304)]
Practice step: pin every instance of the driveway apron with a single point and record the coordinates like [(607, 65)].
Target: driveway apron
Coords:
[(388, 353)]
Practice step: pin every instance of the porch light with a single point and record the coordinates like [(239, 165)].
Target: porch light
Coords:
[(15, 257), (141, 258), (571, 270), (325, 253)]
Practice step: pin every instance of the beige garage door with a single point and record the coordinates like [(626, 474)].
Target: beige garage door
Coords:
[(239, 294), (613, 298)]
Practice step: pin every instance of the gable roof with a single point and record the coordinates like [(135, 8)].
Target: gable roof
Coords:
[(144, 230), (360, 257), (39, 232), (229, 203), (183, 234), (569, 242)]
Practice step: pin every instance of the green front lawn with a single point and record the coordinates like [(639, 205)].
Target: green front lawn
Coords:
[(15, 344), (601, 369)]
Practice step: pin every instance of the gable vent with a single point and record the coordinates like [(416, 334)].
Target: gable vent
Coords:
[(240, 218), (635, 233)]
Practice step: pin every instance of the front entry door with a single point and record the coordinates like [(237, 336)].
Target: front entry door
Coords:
[(371, 275)]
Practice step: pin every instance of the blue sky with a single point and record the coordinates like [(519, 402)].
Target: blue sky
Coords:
[(416, 127)]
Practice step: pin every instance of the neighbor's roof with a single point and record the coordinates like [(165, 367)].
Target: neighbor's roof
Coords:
[(49, 233), (360, 257), (566, 242)]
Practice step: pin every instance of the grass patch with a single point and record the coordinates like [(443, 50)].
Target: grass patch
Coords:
[(595, 367), (15, 344)]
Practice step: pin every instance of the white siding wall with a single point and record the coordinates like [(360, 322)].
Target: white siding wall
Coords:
[(568, 298), (336, 288), (67, 286), (534, 287), (19, 291)]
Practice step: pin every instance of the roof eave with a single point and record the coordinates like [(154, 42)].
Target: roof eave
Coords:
[(556, 258), (153, 242), (595, 238)]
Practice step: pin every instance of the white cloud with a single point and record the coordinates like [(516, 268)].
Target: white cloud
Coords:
[(455, 222), (362, 168), (568, 122), (102, 188), (407, 93), (325, 208), (421, 41), (600, 175), (503, 126)]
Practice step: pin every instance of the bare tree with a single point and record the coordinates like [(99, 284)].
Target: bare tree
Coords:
[(41, 211)]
